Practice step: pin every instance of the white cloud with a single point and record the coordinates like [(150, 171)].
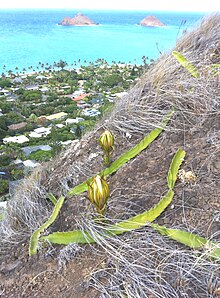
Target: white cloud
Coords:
[(171, 5)]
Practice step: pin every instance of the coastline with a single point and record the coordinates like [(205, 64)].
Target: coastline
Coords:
[(116, 38)]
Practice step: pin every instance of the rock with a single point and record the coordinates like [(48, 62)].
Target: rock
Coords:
[(151, 21), (78, 20), (7, 268)]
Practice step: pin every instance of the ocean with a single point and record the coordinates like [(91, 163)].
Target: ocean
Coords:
[(28, 37)]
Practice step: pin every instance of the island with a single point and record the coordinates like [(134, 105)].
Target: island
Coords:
[(151, 21), (79, 20)]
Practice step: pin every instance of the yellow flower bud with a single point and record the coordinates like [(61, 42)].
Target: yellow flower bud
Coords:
[(98, 192), (107, 141)]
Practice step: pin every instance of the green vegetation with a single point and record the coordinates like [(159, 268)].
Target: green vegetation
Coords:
[(51, 219), (113, 168), (98, 193), (124, 158), (27, 99), (140, 220), (41, 155), (135, 222), (3, 186), (5, 83), (186, 64)]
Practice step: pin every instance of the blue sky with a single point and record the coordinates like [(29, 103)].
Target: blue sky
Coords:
[(170, 5)]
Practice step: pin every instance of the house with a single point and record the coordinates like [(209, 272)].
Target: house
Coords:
[(17, 80), (66, 143), (5, 92), (68, 95), (18, 163), (78, 92), (33, 134), (83, 105), (17, 139), (91, 112), (43, 130), (66, 87), (17, 126), (41, 78), (60, 125), (40, 132), (28, 150), (74, 121), (32, 87), (81, 82), (56, 116), (97, 100), (11, 97), (80, 97), (30, 163), (44, 89)]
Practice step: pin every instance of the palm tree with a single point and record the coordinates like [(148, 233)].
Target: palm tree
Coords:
[(62, 64), (10, 73)]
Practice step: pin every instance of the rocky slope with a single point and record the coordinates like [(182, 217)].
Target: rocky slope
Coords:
[(79, 20), (140, 263), (151, 21)]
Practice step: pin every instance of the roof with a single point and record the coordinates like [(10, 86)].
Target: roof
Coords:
[(56, 116), (33, 134), (76, 120), (42, 129), (82, 96), (60, 125), (17, 126), (29, 150), (17, 139), (30, 163), (91, 112)]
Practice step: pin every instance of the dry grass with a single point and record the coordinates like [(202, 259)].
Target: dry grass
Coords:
[(145, 264)]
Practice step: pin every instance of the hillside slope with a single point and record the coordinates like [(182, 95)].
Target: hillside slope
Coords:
[(141, 263)]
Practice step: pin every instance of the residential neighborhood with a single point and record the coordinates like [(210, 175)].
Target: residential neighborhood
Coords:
[(43, 111)]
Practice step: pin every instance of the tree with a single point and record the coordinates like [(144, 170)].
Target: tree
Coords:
[(13, 118), (13, 151), (61, 64), (4, 185), (41, 155), (33, 118), (3, 124), (78, 131), (3, 133), (112, 80), (54, 136), (5, 83)]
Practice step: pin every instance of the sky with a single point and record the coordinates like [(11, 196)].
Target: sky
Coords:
[(160, 5)]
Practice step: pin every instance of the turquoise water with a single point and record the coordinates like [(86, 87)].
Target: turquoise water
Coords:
[(28, 37)]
